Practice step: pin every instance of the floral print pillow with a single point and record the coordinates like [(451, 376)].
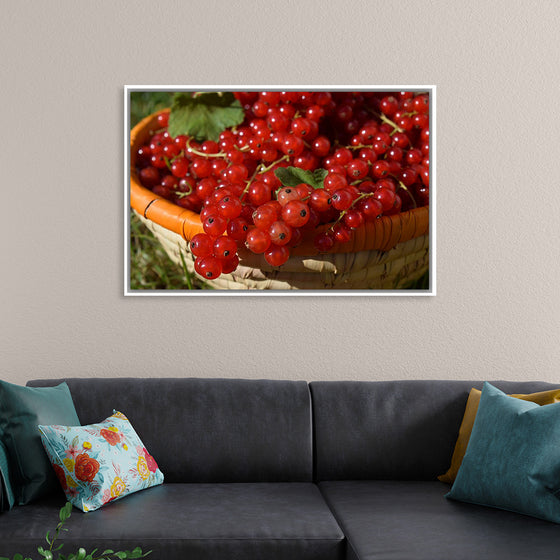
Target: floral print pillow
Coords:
[(99, 463)]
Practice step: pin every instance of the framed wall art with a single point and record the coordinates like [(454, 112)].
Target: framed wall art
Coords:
[(279, 190)]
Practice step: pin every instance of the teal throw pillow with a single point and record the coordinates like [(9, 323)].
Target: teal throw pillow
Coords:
[(6, 491), (21, 410), (512, 460), (99, 463)]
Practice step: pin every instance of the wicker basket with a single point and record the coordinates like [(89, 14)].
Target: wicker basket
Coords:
[(385, 254)]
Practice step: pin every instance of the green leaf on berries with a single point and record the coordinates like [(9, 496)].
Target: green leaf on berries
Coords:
[(294, 176), (204, 115)]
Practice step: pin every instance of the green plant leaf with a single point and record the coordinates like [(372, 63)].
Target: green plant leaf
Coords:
[(121, 555), (46, 554), (294, 176), (204, 116), (18, 556), (106, 552), (65, 512)]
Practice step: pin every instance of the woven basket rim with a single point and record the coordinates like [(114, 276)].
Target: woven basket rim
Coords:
[(382, 234)]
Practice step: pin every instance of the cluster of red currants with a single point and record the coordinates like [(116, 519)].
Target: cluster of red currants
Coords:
[(367, 154)]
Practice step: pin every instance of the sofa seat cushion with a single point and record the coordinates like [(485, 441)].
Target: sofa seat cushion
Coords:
[(235, 521), (401, 520)]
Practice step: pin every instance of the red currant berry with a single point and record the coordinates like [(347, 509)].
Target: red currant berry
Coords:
[(400, 140), (408, 176), (357, 169), (353, 219), (214, 225), (230, 207), (277, 255), (143, 156), (237, 173), (386, 197), (260, 108), (367, 134), (321, 146), (395, 154), (224, 247), (342, 233), (295, 213), (324, 241), (230, 264), (389, 105), (280, 233), (208, 267), (237, 229), (201, 167), (171, 182), (270, 98), (162, 191), (304, 191), (334, 182), (181, 142), (258, 241), (286, 195), (301, 127), (343, 156), (413, 157), (264, 216), (202, 245), (396, 208), (371, 209), (163, 120), (421, 104), (205, 187), (171, 150), (149, 177), (180, 167), (157, 160), (320, 200), (368, 155), (425, 175), (259, 193), (387, 183), (380, 168), (277, 121), (293, 145), (342, 199)]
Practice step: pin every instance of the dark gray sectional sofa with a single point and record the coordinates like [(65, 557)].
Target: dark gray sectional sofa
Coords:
[(286, 470)]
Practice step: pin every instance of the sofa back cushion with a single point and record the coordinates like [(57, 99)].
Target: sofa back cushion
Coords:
[(392, 429), (208, 430)]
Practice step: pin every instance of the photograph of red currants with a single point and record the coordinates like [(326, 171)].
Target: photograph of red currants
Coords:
[(270, 191)]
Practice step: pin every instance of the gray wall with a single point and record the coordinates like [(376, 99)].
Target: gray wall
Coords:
[(495, 65)]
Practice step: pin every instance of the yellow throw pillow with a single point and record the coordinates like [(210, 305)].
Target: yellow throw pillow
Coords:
[(541, 398)]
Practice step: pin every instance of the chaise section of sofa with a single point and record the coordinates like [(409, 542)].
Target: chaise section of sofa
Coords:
[(379, 448), (238, 464), (412, 520)]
